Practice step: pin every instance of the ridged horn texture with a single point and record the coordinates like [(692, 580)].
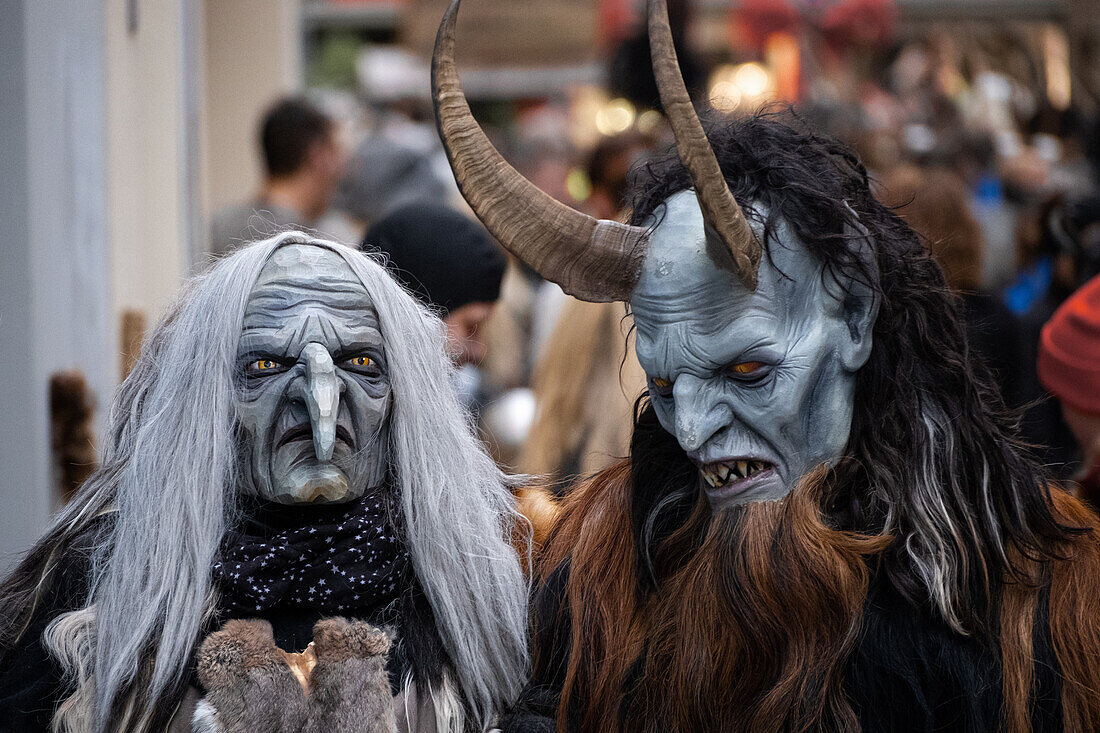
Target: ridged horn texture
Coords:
[(720, 210), (591, 259)]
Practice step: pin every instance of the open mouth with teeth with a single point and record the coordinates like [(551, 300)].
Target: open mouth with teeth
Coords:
[(723, 473)]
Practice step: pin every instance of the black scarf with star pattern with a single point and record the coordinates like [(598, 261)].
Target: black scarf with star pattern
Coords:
[(330, 558)]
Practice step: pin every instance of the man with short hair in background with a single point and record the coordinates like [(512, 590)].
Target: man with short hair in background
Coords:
[(304, 160)]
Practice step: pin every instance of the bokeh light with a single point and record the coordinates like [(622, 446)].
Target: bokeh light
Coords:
[(744, 84), (649, 122), (578, 185), (615, 117)]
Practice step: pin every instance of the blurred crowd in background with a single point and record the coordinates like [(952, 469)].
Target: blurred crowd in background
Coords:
[(969, 129), (143, 139)]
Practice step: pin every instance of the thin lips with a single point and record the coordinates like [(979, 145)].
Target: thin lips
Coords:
[(305, 432)]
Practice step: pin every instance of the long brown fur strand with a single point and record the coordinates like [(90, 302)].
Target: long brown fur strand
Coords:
[(1074, 590), (1072, 571), (1019, 604), (750, 628)]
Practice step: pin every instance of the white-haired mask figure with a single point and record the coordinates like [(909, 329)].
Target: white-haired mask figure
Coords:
[(293, 527)]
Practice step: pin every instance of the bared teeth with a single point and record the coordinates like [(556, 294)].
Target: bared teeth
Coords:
[(718, 474)]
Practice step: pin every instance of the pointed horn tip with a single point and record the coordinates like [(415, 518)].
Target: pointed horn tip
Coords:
[(445, 35)]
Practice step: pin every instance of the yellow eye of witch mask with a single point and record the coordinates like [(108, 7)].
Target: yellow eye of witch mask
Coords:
[(360, 361), (263, 365), (746, 367)]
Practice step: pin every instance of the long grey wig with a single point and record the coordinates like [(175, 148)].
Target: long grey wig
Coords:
[(170, 474)]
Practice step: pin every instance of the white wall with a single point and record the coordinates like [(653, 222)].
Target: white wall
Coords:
[(252, 56), (55, 283), (152, 161)]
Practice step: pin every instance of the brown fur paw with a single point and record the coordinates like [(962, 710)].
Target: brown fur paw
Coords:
[(336, 639), (238, 648)]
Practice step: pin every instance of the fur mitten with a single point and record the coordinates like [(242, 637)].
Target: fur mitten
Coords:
[(249, 687), (350, 689)]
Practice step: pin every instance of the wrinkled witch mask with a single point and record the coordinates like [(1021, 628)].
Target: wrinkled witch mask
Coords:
[(751, 360), (313, 395)]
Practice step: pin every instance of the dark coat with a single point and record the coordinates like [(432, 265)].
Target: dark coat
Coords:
[(32, 685), (908, 671)]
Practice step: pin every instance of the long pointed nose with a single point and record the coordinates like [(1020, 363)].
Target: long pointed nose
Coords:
[(322, 398), (700, 413)]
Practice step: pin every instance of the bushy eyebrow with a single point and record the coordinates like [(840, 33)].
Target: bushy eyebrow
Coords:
[(682, 338)]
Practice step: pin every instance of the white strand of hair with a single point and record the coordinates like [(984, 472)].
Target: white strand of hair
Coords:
[(70, 638), (935, 544), (447, 707)]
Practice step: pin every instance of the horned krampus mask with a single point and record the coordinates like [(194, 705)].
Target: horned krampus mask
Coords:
[(751, 359)]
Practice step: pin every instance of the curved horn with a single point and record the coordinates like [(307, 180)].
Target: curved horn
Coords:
[(594, 260), (720, 209)]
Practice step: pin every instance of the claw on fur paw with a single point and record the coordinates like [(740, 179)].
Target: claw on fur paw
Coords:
[(301, 665)]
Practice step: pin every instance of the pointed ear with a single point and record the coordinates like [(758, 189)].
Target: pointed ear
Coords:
[(861, 302)]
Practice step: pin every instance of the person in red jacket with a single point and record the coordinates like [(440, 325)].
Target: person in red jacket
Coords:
[(1069, 366)]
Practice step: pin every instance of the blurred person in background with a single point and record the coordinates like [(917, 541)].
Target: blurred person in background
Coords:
[(587, 377), (1059, 249), (398, 160), (933, 201), (529, 305), (451, 264), (304, 159), (607, 168), (1069, 366)]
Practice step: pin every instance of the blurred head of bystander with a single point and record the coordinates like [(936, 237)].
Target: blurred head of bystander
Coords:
[(933, 201), (607, 167), (303, 160), (1069, 366), (303, 156), (450, 263)]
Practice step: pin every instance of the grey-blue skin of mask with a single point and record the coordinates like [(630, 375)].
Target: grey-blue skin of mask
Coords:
[(313, 394), (753, 431)]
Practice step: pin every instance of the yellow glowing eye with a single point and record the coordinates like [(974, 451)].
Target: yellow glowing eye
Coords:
[(361, 361), (746, 367), (661, 383), (263, 365)]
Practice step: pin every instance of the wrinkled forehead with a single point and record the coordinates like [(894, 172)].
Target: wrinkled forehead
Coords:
[(302, 274), (680, 282)]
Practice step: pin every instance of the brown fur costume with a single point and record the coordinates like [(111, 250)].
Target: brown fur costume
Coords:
[(251, 688), (248, 682), (760, 613)]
